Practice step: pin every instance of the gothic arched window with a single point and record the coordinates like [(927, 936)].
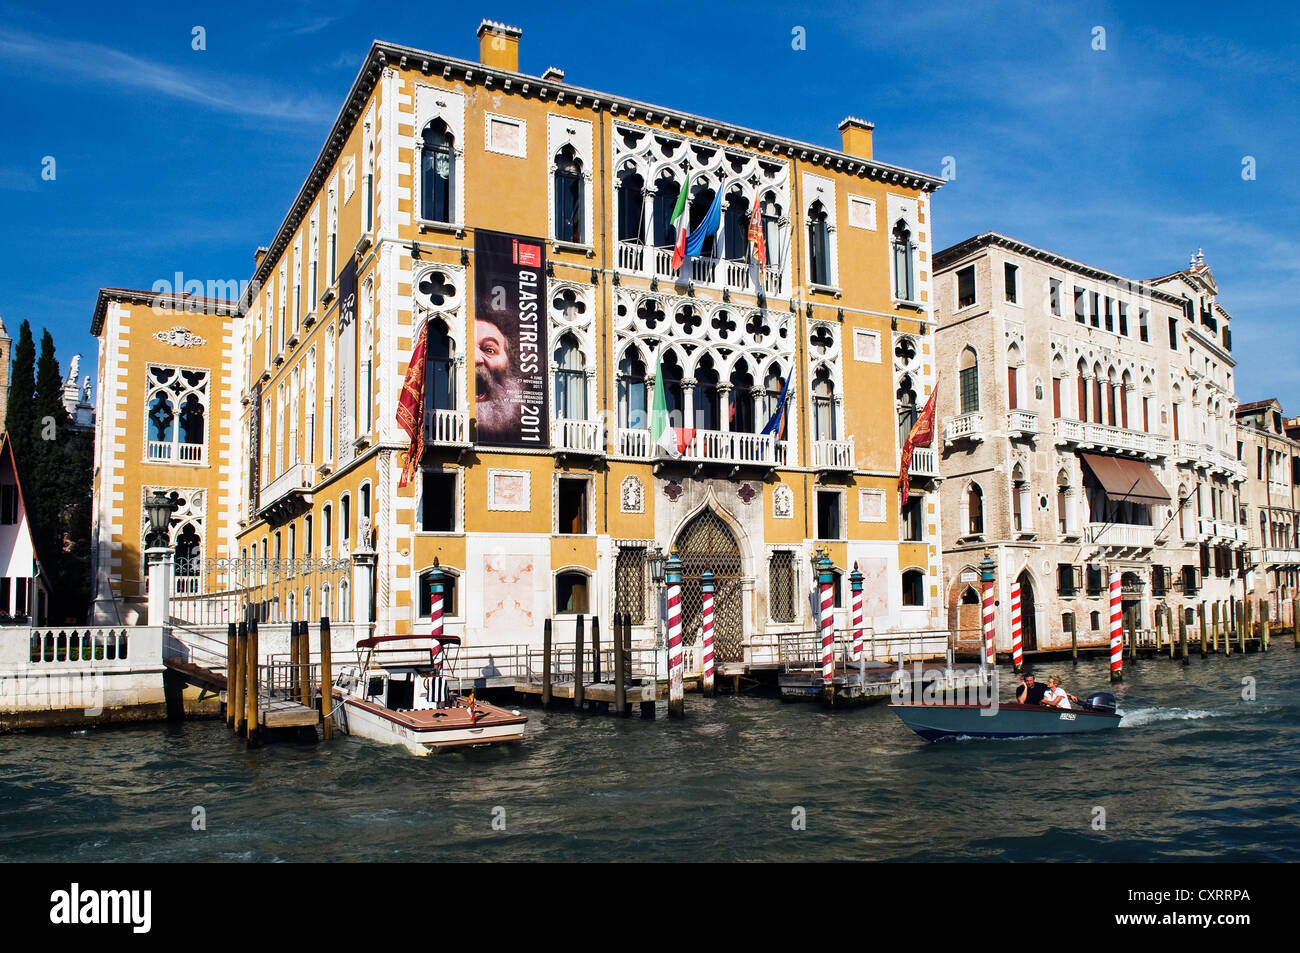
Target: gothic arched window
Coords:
[(904, 277), (819, 245), (437, 173), (568, 196), (570, 380)]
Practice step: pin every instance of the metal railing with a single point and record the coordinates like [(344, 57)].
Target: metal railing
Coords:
[(803, 649)]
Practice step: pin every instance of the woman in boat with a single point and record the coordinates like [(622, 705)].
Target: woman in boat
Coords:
[(1056, 696)]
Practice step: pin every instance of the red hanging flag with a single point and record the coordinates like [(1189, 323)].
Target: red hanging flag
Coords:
[(757, 245), (921, 435), (410, 407)]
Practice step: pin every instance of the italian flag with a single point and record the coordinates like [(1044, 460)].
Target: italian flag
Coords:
[(671, 440), (681, 221)]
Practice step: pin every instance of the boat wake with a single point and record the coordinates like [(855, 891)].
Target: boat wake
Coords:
[(1149, 716)]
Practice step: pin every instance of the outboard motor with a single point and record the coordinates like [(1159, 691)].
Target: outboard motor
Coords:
[(1102, 701)]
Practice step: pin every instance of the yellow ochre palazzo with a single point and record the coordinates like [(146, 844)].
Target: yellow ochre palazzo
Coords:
[(527, 225)]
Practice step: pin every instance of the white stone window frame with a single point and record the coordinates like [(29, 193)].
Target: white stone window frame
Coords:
[(152, 387), (819, 188), (842, 497), (453, 571), (583, 329), (496, 505), (833, 361), (349, 178), (437, 102), (1020, 285), (193, 509), (564, 131), (458, 502), (489, 142), (451, 312), (297, 284), (907, 209), (556, 477), (796, 571), (571, 569)]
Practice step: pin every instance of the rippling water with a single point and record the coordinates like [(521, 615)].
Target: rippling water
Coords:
[(1194, 772)]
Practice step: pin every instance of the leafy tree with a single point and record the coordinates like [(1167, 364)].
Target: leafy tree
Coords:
[(22, 388)]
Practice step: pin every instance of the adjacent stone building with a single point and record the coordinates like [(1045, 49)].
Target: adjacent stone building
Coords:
[(1270, 503), (1088, 424)]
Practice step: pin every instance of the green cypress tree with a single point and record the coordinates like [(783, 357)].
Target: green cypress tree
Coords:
[(22, 388)]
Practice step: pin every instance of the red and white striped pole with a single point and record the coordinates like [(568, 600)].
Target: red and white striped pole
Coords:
[(827, 596), (855, 586), (1017, 648), (706, 614), (1116, 630), (435, 647), (676, 696), (986, 573)]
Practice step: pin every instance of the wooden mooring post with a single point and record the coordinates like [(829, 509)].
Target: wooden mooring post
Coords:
[(1200, 612), (579, 689), (304, 653), (326, 678), (232, 638), (1295, 622), (235, 704), (1263, 632), (620, 667), (595, 648), (1214, 627), (1245, 624), (1182, 635), (546, 664), (251, 687)]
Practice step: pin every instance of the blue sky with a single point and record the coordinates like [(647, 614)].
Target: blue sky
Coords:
[(1129, 158)]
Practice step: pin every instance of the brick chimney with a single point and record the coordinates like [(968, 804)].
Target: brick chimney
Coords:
[(498, 45), (856, 134), (553, 74)]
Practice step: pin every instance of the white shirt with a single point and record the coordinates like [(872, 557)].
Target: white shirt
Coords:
[(1057, 698)]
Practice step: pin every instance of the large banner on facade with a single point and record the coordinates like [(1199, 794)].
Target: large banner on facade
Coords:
[(347, 360), (510, 339)]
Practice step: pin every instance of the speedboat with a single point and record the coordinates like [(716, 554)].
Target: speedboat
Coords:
[(939, 721), (407, 703)]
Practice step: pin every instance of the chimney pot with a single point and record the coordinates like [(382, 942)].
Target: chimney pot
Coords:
[(498, 45), (856, 136)]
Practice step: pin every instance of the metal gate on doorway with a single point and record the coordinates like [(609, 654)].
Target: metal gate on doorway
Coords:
[(706, 542)]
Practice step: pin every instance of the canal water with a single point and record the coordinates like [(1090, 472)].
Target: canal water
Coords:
[(1195, 772)]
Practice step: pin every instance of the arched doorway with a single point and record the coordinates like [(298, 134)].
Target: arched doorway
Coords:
[(1028, 613), (1131, 589), (706, 542)]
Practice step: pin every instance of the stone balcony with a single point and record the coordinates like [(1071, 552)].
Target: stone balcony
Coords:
[(446, 428), (1022, 423), (710, 446), (965, 427), (1118, 440), (1121, 537), (722, 273), (578, 437), (1220, 532), (924, 463), (833, 456), (1280, 557), (288, 495)]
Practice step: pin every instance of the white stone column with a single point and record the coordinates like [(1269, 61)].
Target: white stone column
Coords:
[(160, 584)]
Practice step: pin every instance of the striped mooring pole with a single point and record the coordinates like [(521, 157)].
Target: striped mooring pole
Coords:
[(676, 698), (706, 627), (435, 620), (825, 580), (1017, 648), (1116, 630), (986, 575), (855, 586)]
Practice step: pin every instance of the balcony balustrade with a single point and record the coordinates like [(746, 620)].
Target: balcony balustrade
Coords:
[(833, 455), (1023, 423), (1086, 435), (924, 462), (965, 427), (1120, 535), (710, 446), (446, 428), (709, 272), (167, 451), (287, 495), (578, 436)]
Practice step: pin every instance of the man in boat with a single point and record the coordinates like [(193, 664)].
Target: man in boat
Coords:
[(1030, 692), (1056, 696)]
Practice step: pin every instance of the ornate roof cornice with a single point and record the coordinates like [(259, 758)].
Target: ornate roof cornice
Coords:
[(383, 54)]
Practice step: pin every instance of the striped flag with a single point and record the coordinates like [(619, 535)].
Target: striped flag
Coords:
[(757, 248), (681, 221), (672, 440)]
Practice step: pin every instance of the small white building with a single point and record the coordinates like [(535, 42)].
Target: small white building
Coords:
[(24, 587)]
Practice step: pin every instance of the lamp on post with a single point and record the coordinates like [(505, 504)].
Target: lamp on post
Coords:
[(657, 560), (158, 509)]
